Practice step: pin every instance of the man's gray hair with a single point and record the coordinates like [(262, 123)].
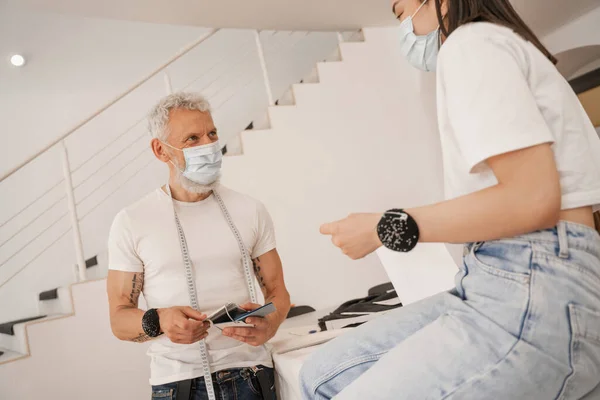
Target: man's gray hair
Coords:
[(158, 119)]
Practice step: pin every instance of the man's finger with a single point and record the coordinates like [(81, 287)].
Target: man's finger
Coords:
[(201, 327), (245, 332), (242, 338), (191, 313), (198, 338), (258, 322), (328, 229), (250, 306)]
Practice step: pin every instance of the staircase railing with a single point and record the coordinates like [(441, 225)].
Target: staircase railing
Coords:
[(54, 213)]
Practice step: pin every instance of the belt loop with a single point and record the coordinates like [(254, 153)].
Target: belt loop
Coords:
[(563, 242)]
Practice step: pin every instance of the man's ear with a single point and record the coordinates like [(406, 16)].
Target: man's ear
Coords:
[(159, 150)]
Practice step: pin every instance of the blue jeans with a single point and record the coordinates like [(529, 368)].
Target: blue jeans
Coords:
[(522, 323), (231, 384)]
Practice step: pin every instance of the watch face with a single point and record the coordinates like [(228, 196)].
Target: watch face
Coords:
[(398, 231)]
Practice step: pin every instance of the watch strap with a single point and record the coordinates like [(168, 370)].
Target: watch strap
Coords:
[(151, 323)]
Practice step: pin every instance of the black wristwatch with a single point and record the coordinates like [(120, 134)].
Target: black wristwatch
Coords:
[(398, 231), (151, 323)]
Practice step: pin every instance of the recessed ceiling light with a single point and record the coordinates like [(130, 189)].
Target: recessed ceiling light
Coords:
[(17, 60)]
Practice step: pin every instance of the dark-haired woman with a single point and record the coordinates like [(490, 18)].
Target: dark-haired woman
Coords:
[(522, 174)]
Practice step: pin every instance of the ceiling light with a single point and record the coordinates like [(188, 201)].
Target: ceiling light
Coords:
[(17, 60)]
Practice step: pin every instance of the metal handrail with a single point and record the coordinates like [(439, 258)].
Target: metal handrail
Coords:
[(157, 71)]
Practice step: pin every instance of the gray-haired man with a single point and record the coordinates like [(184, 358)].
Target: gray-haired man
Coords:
[(195, 225)]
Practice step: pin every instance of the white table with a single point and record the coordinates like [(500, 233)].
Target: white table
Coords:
[(292, 346)]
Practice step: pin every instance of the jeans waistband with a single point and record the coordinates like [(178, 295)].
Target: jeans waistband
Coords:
[(567, 235)]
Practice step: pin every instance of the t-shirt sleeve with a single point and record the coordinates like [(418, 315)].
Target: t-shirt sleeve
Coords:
[(265, 238), (490, 106), (122, 255)]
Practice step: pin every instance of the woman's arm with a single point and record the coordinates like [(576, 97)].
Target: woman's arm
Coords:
[(526, 198)]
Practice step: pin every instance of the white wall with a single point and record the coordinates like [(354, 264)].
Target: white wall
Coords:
[(359, 141), (75, 66), (588, 68), (580, 32), (78, 358)]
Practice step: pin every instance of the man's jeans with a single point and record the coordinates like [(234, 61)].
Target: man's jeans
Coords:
[(522, 323), (231, 384)]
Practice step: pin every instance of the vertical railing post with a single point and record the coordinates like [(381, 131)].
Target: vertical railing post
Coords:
[(263, 64), (81, 269), (168, 86)]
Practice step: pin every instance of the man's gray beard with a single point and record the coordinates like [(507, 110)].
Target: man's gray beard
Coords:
[(194, 187)]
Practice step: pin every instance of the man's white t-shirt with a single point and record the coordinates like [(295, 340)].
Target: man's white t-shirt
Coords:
[(144, 238), (498, 93)]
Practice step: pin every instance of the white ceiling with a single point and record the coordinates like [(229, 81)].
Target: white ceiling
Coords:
[(572, 61), (542, 15)]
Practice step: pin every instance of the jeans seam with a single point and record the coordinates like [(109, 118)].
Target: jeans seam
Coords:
[(348, 364), (519, 339)]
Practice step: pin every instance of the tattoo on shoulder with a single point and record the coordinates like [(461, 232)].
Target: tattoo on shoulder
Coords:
[(141, 338), (137, 285), (257, 271)]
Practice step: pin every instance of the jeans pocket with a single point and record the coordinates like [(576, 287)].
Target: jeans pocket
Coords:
[(503, 259), (584, 351), (253, 384)]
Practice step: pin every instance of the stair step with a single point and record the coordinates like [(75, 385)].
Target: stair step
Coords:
[(335, 56), (49, 295), (352, 51), (234, 146), (286, 99), (354, 37), (7, 328), (91, 262), (55, 302), (9, 355), (313, 77)]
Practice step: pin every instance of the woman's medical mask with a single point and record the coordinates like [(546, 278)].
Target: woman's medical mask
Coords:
[(202, 163), (420, 51)]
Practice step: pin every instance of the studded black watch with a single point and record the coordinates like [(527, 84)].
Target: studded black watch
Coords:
[(151, 323), (398, 231)]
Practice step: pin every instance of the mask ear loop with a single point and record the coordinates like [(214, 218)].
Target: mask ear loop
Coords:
[(418, 9)]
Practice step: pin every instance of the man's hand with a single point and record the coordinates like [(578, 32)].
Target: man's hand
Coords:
[(183, 325), (262, 331), (355, 235)]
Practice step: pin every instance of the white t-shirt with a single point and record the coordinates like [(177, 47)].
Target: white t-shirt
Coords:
[(498, 93), (144, 238)]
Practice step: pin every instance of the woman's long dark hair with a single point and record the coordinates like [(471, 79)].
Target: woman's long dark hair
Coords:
[(500, 12)]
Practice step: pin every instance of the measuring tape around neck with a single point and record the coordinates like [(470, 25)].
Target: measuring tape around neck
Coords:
[(191, 282)]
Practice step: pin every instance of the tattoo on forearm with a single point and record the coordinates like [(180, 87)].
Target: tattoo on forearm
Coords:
[(141, 338), (137, 284), (257, 271)]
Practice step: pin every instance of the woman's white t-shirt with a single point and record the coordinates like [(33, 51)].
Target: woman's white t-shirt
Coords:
[(498, 93), (144, 239)]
